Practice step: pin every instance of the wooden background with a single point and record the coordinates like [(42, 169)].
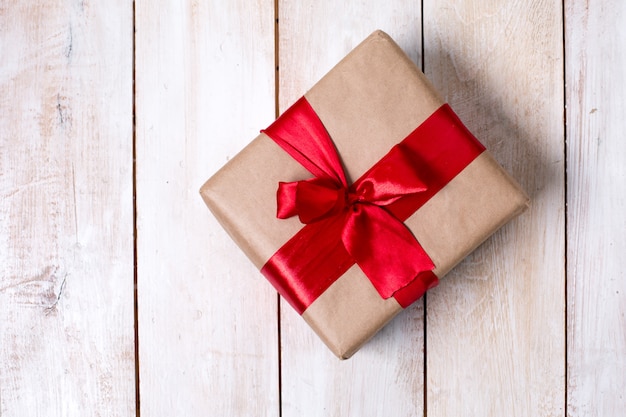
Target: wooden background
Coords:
[(121, 296)]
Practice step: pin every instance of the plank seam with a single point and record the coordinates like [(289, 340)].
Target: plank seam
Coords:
[(134, 187), (425, 305), (276, 114), (565, 212)]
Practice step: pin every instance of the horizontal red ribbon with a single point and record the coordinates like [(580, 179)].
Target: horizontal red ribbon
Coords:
[(361, 223)]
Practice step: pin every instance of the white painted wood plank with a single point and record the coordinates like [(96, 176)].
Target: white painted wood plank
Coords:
[(596, 152), (66, 212), (385, 377), (207, 319), (495, 325)]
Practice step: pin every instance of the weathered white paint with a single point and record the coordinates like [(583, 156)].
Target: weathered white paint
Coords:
[(385, 377), (66, 217), (596, 176), (207, 319), (205, 85), (495, 326)]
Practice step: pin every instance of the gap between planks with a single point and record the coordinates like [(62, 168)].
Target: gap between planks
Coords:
[(276, 114), (565, 196), (134, 173)]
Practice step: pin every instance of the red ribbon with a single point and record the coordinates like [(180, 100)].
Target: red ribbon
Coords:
[(361, 223)]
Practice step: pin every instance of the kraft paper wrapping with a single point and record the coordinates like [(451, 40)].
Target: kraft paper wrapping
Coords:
[(370, 101)]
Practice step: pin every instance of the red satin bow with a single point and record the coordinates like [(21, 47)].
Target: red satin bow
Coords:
[(382, 246), (361, 223)]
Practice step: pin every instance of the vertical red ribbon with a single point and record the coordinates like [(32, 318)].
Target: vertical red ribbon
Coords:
[(361, 223)]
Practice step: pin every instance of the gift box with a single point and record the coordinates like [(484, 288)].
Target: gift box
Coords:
[(362, 195)]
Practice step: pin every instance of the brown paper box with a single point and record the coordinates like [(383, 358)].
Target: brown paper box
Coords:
[(370, 101)]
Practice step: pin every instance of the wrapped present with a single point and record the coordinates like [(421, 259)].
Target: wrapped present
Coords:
[(362, 195)]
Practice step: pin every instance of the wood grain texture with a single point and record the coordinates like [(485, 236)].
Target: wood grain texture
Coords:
[(385, 377), (208, 336), (495, 326), (66, 217), (596, 63), (207, 319)]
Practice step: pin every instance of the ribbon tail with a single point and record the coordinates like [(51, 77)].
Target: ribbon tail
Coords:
[(384, 248)]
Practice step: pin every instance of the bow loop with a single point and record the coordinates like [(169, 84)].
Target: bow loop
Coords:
[(311, 200)]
